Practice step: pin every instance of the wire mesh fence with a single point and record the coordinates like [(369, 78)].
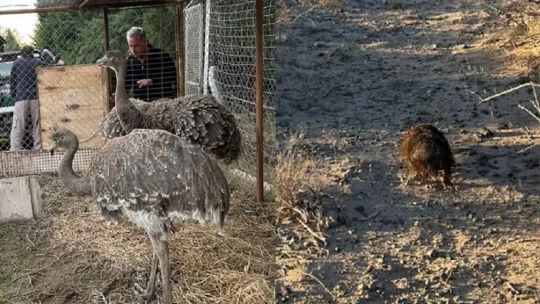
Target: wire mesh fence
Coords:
[(75, 93), (231, 71), (194, 47), (71, 89)]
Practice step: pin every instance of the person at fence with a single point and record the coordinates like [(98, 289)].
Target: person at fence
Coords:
[(23, 87), (151, 73)]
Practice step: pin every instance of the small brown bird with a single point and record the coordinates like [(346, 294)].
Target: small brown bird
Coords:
[(426, 152)]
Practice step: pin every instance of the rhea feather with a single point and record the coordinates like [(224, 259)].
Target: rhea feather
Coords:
[(199, 119), (156, 179)]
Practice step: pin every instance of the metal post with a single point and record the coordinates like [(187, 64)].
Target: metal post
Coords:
[(180, 50), (107, 77), (206, 64), (259, 68)]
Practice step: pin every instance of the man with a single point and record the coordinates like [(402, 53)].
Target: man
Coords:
[(23, 87), (151, 73)]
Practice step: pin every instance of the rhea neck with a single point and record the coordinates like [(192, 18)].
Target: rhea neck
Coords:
[(130, 117), (120, 92), (72, 181)]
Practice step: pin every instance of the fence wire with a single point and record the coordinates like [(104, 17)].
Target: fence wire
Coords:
[(71, 88), (231, 70), (194, 47)]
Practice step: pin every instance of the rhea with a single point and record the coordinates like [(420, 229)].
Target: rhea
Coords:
[(199, 119), (156, 179)]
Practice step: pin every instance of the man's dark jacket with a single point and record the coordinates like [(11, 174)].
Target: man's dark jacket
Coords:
[(159, 67), (23, 78)]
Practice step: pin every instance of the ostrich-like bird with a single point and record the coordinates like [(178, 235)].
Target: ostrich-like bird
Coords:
[(156, 179), (198, 119), (426, 151)]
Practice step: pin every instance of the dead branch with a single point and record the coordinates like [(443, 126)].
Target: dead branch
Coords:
[(367, 218), (319, 236), (529, 111), (320, 283), (304, 13), (526, 149), (535, 102), (475, 94), (508, 91), (302, 213)]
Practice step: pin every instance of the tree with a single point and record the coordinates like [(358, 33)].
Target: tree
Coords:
[(78, 36), (13, 39)]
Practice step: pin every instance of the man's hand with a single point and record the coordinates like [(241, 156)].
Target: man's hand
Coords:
[(144, 83)]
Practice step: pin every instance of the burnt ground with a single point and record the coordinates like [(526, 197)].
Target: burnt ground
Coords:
[(351, 79)]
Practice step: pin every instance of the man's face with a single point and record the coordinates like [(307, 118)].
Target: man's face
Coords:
[(137, 47)]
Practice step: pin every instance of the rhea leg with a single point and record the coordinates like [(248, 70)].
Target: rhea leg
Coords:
[(149, 291), (161, 250)]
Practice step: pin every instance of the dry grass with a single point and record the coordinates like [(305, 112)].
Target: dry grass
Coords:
[(298, 186), (247, 159), (301, 184), (521, 35), (100, 264), (286, 15)]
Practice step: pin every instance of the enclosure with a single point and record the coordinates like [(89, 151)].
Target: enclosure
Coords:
[(213, 46)]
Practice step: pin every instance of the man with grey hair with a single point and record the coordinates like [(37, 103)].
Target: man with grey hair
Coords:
[(23, 88), (151, 73)]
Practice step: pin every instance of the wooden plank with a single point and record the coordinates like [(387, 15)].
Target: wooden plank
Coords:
[(102, 4), (71, 97), (35, 192), (18, 198)]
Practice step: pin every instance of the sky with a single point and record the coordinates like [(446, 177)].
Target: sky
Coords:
[(24, 24)]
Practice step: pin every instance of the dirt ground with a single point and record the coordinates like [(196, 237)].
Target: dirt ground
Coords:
[(351, 79), (71, 256)]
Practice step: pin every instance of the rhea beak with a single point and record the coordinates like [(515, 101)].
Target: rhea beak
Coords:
[(52, 151)]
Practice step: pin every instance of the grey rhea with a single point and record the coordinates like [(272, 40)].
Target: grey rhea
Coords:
[(156, 179), (199, 119)]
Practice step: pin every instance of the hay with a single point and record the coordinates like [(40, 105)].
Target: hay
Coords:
[(105, 262), (299, 183)]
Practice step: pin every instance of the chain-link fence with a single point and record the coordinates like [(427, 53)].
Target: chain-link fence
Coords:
[(230, 70), (60, 85), (75, 93)]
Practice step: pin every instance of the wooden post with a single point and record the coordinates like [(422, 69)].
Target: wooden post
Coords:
[(259, 68), (106, 28), (180, 51)]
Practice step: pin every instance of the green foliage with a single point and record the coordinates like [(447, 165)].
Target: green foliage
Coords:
[(13, 40), (57, 3), (78, 37), (66, 35), (159, 27)]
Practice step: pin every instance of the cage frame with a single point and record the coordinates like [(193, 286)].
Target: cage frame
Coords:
[(104, 5)]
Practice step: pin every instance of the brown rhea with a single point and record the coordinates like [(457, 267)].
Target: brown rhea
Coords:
[(426, 152)]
